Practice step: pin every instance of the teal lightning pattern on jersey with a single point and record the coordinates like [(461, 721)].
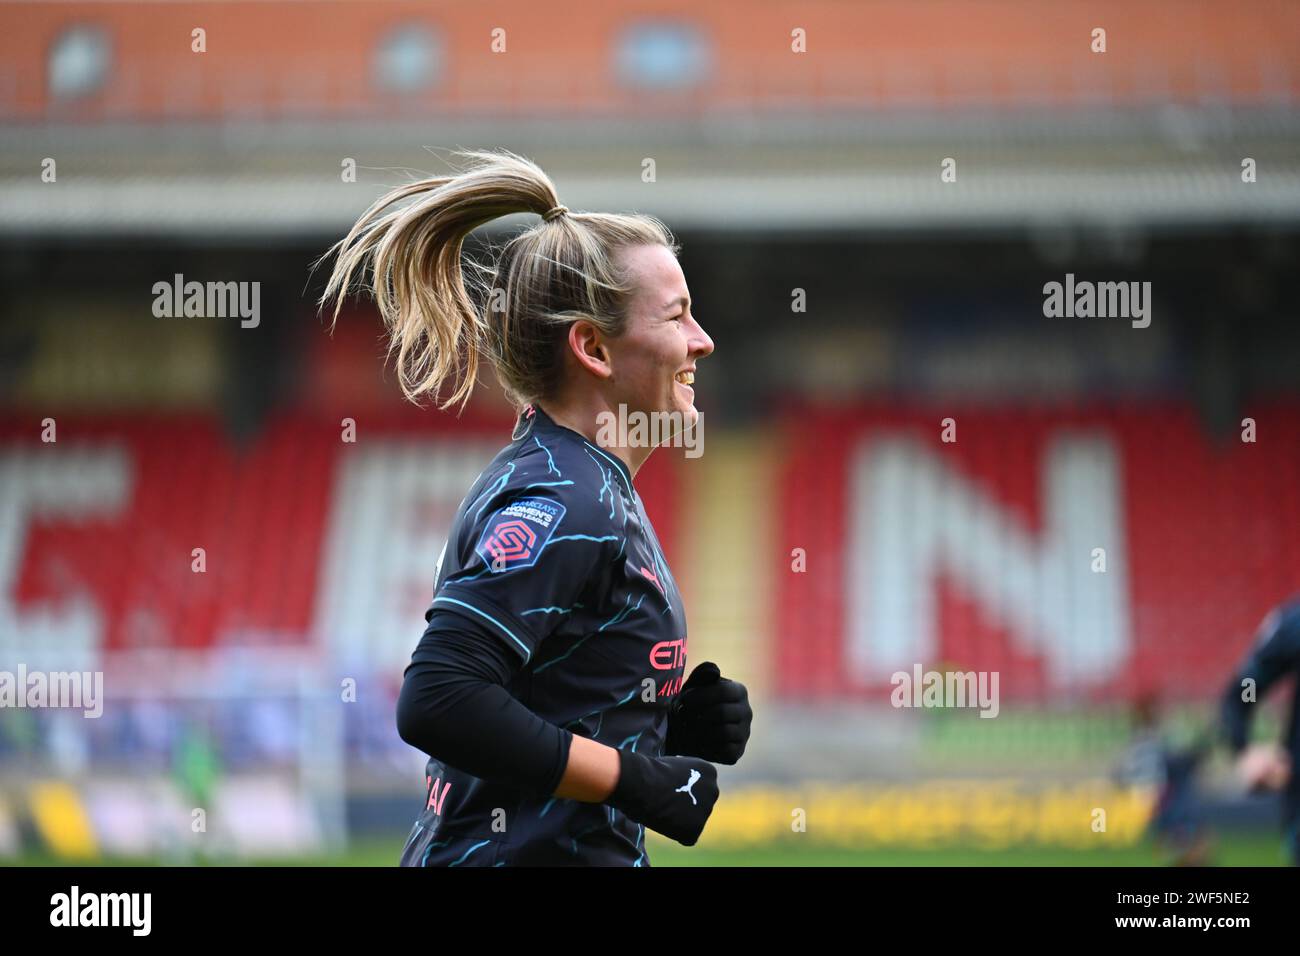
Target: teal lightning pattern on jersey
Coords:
[(551, 550)]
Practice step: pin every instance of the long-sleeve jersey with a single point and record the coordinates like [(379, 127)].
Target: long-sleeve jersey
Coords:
[(1275, 654), (551, 552)]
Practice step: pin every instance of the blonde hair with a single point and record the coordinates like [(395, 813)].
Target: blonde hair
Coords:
[(542, 280)]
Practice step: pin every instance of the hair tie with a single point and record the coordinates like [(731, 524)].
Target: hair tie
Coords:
[(555, 212)]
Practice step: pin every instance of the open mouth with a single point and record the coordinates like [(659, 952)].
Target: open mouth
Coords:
[(684, 381)]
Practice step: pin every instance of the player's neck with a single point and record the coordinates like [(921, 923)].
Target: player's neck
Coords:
[(584, 417)]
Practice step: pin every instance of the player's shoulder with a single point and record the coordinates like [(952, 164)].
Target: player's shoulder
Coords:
[(1279, 632), (531, 505), (1286, 617), (544, 485)]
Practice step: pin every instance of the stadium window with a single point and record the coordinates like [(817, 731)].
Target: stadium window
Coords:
[(78, 63), (409, 59), (661, 55)]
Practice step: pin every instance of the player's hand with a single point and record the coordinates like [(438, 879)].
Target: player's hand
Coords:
[(670, 795), (1264, 767), (710, 717)]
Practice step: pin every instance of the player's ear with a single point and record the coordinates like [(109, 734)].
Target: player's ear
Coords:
[(588, 346)]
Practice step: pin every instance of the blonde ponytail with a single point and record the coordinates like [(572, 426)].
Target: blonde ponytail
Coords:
[(544, 278)]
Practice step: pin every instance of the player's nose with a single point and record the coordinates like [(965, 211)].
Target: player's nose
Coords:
[(699, 342)]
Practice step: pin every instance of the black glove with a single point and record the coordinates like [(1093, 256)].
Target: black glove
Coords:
[(670, 795), (710, 717)]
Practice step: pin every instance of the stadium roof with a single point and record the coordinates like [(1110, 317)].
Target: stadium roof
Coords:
[(868, 171)]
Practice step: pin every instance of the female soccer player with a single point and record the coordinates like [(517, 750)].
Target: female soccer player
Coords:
[(1274, 656), (547, 688)]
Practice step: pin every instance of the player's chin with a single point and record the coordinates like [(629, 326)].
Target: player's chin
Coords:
[(683, 400), (686, 413)]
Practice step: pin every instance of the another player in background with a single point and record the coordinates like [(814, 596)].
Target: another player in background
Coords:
[(1177, 823), (548, 689), (1275, 655)]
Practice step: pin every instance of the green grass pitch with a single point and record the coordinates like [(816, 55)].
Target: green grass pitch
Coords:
[(1230, 850)]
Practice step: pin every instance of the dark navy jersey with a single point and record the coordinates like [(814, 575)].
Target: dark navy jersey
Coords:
[(551, 551), (1274, 656)]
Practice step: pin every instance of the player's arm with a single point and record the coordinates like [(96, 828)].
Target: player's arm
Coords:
[(591, 772), (1276, 653), (455, 707)]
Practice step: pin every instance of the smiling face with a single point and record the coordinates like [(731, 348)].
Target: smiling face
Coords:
[(653, 361)]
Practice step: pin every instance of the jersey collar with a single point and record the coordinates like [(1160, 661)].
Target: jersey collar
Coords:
[(533, 419)]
